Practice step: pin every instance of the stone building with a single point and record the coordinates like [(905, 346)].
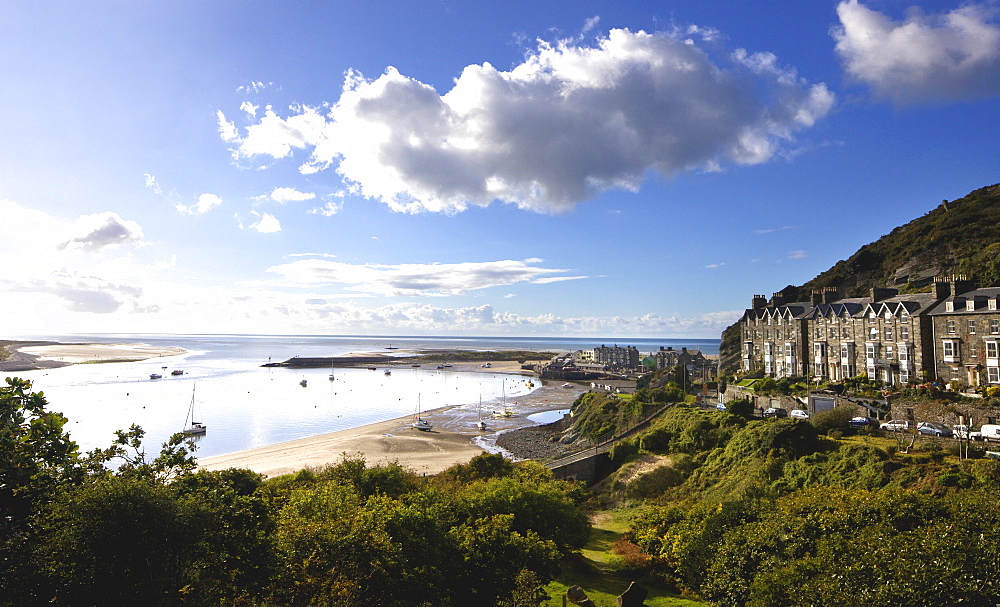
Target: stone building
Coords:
[(885, 336), (966, 336), (616, 357)]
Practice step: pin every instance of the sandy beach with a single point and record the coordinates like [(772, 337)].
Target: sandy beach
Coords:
[(34, 355), (423, 452)]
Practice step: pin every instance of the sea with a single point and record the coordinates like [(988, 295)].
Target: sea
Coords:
[(247, 405)]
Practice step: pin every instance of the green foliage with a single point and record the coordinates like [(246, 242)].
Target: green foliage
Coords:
[(742, 408), (831, 419)]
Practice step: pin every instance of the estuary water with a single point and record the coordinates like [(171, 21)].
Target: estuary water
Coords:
[(246, 405)]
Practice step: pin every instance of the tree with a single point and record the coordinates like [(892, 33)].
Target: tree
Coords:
[(36, 457)]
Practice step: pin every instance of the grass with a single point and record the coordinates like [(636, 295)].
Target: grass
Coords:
[(589, 570)]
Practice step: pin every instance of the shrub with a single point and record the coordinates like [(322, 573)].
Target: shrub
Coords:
[(831, 419)]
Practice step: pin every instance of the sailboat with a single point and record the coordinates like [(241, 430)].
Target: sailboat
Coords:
[(191, 427), (482, 423), (505, 411), (420, 423)]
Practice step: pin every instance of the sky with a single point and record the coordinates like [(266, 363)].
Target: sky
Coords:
[(441, 167)]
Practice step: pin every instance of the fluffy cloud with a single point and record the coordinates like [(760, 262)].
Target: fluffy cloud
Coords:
[(416, 279), (103, 230), (206, 202), (266, 223), (954, 55), (568, 122)]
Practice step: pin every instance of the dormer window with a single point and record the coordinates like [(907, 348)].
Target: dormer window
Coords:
[(993, 303), (970, 305), (949, 306)]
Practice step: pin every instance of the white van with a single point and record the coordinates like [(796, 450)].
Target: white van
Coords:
[(989, 433)]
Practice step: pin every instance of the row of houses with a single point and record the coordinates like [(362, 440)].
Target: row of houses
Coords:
[(950, 334)]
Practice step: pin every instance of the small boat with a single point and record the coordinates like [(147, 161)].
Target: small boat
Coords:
[(567, 385), (420, 423), (388, 372), (192, 427), (155, 376), (373, 368), (391, 347), (482, 423), (415, 365), (303, 383), (177, 372)]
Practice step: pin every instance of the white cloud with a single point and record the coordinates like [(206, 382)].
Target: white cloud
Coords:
[(267, 223), (227, 128), (249, 108), (283, 195), (152, 184), (953, 55), (799, 254), (101, 230), (715, 265), (567, 123), (330, 208), (416, 279), (206, 202)]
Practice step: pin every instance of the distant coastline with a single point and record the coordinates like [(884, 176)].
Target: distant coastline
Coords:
[(35, 355)]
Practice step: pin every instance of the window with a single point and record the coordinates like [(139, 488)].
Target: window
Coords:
[(904, 354), (845, 352), (888, 333), (970, 305), (832, 333), (904, 333), (789, 350), (767, 334), (846, 333), (950, 351), (994, 374), (993, 303), (972, 326), (888, 352), (955, 373), (871, 351), (871, 317), (888, 316), (904, 316), (873, 333), (995, 326), (951, 327), (973, 350), (991, 350), (777, 334)]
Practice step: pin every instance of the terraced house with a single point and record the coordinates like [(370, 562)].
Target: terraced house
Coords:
[(897, 339), (966, 335)]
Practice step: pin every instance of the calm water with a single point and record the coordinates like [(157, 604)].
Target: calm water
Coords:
[(247, 406)]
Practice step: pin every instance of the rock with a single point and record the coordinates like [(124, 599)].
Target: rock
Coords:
[(577, 596), (633, 596)]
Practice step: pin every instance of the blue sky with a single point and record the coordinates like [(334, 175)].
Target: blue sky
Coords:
[(519, 168)]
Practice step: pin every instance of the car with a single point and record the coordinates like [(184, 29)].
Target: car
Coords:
[(895, 425), (934, 429), (799, 414), (775, 412), (962, 431), (861, 422), (720, 406)]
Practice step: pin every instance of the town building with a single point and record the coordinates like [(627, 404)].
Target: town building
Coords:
[(966, 336), (616, 357), (886, 336)]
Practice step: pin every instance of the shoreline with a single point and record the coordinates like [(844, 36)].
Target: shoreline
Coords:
[(450, 442), (36, 355)]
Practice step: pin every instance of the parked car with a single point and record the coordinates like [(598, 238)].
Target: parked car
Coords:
[(861, 422), (775, 412), (988, 433), (962, 431), (799, 414), (720, 406), (896, 425), (934, 429)]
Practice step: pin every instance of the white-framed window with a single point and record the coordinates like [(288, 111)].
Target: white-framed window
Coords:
[(904, 375), (970, 304), (777, 333), (888, 333), (832, 332), (873, 333), (995, 326), (904, 316), (888, 352), (992, 351), (949, 306), (904, 333), (871, 351), (992, 303), (973, 351), (845, 351), (972, 326), (951, 327), (950, 350), (871, 317), (993, 374), (847, 370), (789, 350), (871, 373), (904, 353)]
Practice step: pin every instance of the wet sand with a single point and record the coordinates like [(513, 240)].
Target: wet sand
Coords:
[(29, 356), (450, 442)]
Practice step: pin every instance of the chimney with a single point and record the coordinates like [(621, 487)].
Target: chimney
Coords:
[(816, 297), (960, 283), (880, 293), (942, 288), (777, 299), (758, 302), (830, 294)]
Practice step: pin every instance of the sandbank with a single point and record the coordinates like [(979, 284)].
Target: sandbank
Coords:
[(28, 356)]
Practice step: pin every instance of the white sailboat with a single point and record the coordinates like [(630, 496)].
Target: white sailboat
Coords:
[(420, 423), (482, 423), (192, 427)]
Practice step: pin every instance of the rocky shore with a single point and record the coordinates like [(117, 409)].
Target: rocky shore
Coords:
[(537, 442)]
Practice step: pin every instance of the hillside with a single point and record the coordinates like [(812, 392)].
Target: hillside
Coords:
[(957, 237)]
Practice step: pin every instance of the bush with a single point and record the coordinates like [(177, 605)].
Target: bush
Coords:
[(831, 419)]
